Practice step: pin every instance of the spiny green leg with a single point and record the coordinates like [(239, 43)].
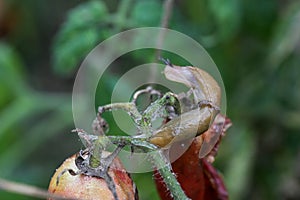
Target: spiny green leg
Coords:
[(144, 123), (96, 150), (158, 108), (106, 162), (137, 142), (109, 159), (111, 186), (148, 90), (128, 107), (155, 110), (95, 145), (100, 126)]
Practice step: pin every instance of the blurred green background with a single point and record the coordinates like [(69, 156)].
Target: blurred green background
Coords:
[(255, 44)]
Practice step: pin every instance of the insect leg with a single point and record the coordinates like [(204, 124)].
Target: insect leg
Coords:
[(130, 108), (166, 61), (160, 107), (109, 159), (148, 90), (207, 103), (100, 126), (111, 185)]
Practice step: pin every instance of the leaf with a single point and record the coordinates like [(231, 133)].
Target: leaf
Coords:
[(56, 122), (146, 13), (227, 17), (11, 74), (286, 37), (79, 34), (239, 168)]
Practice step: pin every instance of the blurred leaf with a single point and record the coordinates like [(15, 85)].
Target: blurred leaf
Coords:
[(11, 74), (14, 116), (146, 13), (227, 15), (79, 34), (259, 17), (240, 162), (197, 13), (36, 136), (16, 112), (286, 36)]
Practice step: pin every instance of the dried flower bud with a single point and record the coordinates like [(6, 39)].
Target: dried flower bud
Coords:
[(87, 187)]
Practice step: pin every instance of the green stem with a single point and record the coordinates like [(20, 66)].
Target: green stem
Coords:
[(130, 108), (169, 177)]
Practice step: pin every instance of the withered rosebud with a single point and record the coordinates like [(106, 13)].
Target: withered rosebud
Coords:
[(90, 187)]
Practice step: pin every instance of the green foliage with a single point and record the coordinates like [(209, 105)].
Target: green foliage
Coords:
[(227, 16), (81, 32), (11, 75), (287, 27), (146, 13)]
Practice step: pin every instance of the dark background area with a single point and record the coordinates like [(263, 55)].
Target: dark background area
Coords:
[(255, 45)]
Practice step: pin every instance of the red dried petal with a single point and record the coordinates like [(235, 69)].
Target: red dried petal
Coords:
[(197, 177), (215, 188)]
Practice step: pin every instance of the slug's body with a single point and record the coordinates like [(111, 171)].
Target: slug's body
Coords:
[(195, 120)]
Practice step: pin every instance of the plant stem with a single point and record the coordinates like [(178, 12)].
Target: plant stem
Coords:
[(169, 177)]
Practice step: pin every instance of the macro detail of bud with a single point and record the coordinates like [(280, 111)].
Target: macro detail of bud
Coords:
[(94, 175)]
